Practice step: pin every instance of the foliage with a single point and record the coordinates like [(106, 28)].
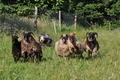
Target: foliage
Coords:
[(112, 8), (87, 8), (94, 9)]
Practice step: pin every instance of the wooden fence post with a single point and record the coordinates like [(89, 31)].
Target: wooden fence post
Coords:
[(35, 20), (75, 21), (54, 27), (60, 20), (109, 26)]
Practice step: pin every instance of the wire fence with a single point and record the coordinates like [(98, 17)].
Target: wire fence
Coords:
[(66, 18), (80, 20)]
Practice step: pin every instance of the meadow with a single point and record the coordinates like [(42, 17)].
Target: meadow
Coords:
[(106, 66)]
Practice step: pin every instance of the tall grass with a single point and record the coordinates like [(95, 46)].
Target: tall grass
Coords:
[(104, 67)]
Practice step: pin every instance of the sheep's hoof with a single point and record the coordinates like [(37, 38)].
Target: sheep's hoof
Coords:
[(24, 60)]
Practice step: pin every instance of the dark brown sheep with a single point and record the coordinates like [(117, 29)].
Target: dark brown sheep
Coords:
[(29, 47), (16, 48), (90, 44)]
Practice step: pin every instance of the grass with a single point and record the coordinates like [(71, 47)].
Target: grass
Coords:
[(104, 67)]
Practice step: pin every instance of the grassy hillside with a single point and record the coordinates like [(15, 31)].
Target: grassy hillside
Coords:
[(106, 66)]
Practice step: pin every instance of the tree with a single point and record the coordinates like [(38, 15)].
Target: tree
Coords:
[(112, 8)]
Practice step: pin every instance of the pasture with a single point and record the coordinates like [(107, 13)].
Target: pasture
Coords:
[(106, 66)]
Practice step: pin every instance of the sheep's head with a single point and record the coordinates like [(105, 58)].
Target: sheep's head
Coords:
[(71, 37), (91, 36), (14, 39), (27, 36), (44, 38), (64, 38)]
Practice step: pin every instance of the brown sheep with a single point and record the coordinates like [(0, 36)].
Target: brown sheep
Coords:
[(77, 44), (16, 48), (29, 47), (90, 44), (63, 47)]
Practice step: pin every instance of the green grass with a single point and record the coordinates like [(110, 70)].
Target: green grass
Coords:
[(104, 67)]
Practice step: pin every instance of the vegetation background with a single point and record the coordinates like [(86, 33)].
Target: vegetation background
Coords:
[(97, 12), (17, 15)]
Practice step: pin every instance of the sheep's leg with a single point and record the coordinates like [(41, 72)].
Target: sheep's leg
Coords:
[(24, 56), (32, 56), (39, 56), (15, 60), (88, 50), (24, 59), (89, 54), (81, 56), (94, 52)]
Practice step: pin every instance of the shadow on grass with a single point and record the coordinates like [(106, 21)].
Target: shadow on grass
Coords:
[(95, 57), (46, 59), (35, 61)]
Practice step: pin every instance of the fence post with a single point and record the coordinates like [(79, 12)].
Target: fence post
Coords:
[(60, 20), (54, 27), (109, 26), (35, 20), (75, 21)]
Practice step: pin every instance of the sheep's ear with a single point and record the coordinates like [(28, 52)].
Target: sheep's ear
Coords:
[(61, 36), (30, 32), (67, 36), (74, 34), (17, 37), (23, 32), (96, 34), (88, 33), (39, 36)]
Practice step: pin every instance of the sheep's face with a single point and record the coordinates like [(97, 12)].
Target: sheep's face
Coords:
[(64, 38), (27, 36), (71, 37), (91, 36), (14, 39), (42, 37)]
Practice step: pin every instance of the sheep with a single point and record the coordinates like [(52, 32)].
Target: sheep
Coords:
[(77, 44), (63, 47), (16, 48), (29, 47), (45, 39), (90, 44)]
